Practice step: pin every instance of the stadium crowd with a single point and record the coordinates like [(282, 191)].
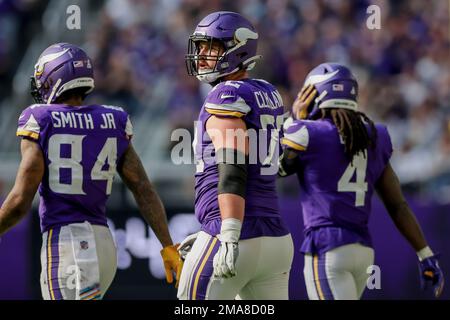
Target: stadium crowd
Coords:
[(403, 68)]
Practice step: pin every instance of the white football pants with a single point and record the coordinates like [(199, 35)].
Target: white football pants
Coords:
[(78, 262), (262, 270), (338, 274)]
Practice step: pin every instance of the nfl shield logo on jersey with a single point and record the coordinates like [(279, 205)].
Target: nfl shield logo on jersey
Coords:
[(84, 245)]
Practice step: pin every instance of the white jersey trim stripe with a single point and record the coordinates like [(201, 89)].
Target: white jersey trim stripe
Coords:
[(239, 105)]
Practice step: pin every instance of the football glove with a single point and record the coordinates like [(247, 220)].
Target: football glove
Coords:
[(305, 98), (172, 263), (224, 262), (186, 245), (431, 275)]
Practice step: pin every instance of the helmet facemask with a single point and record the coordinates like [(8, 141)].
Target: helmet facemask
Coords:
[(35, 91), (193, 58), (235, 55)]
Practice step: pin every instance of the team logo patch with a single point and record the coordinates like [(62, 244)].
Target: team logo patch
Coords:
[(84, 245)]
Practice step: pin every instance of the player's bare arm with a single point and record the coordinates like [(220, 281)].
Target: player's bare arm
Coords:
[(228, 136), (389, 189), (135, 178), (229, 133), (29, 176)]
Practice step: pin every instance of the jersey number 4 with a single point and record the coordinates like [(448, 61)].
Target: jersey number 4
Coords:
[(359, 165), (72, 163)]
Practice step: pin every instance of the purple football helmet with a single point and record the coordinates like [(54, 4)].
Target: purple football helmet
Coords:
[(238, 37), (336, 88), (61, 67)]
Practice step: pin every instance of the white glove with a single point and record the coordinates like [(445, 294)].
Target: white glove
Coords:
[(225, 259), (186, 245)]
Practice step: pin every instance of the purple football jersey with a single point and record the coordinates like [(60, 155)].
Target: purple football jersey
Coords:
[(260, 105), (335, 192), (81, 147)]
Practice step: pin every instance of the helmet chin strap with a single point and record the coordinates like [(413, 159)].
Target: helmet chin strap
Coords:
[(213, 76), (210, 77)]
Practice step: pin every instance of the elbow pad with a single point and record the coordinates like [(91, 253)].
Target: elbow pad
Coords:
[(232, 167)]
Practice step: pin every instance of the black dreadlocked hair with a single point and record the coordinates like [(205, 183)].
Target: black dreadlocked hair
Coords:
[(352, 128)]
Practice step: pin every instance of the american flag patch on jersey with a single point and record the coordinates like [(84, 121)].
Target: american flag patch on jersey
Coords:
[(84, 245), (78, 64), (338, 87)]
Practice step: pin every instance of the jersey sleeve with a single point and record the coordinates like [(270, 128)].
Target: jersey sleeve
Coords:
[(29, 125), (384, 140), (224, 100), (129, 128), (126, 126), (295, 135)]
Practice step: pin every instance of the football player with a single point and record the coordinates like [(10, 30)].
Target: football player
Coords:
[(341, 157), (243, 250), (72, 151)]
